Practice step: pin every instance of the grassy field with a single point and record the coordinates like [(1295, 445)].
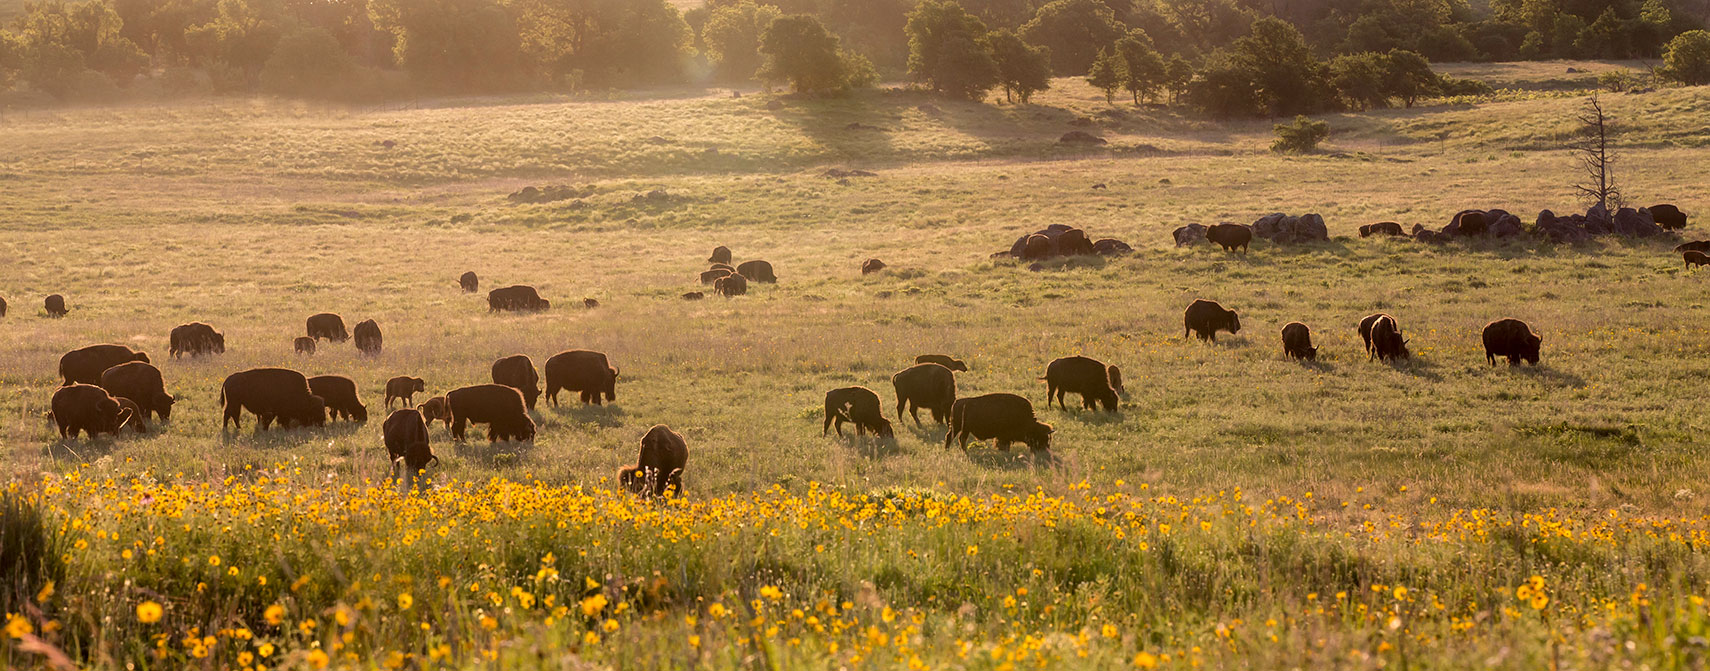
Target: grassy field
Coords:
[(1345, 476)]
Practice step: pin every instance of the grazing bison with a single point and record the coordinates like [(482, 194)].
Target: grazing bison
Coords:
[(406, 436), (87, 408), (1074, 242), (927, 385), (1695, 259), (581, 371), (694, 296), (498, 406), (590, 303), (1511, 338), (304, 345), (469, 282), (436, 408), (519, 298), (720, 254), (1005, 417), (368, 339), (1383, 337), (660, 465), (137, 422), (1115, 375), (196, 339), (271, 393), (858, 406), (868, 267), (85, 365), (943, 360), (1469, 223), (1037, 247), (141, 383), (517, 372), (2, 307), (1297, 341), (1230, 236), (1205, 318), (716, 274), (329, 326), (722, 266), (404, 388), (1694, 246), (731, 285), (55, 306), (1110, 247), (1080, 375), (1668, 216), (339, 394), (1381, 228), (757, 271)]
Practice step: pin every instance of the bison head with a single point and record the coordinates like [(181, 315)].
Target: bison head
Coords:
[(359, 413), (313, 412), (1039, 437), (113, 416), (140, 357), (220, 343), (1529, 352), (1234, 322), (163, 405), (882, 428)]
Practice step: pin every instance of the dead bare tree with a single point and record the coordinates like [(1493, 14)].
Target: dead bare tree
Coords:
[(1596, 158)]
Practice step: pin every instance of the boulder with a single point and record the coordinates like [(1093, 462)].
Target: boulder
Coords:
[(1191, 234), (1111, 247), (1284, 229), (1635, 223), (1505, 226)]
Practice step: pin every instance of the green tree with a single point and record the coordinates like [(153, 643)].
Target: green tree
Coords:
[(1285, 78), (309, 63), (1687, 58), (1106, 74), (947, 50), (603, 42), (1409, 76), (799, 50), (1023, 69), (1177, 76), (1360, 79), (732, 38), (1142, 67), (240, 38), (1074, 31), (1300, 137), (467, 45), (1607, 37), (56, 44)]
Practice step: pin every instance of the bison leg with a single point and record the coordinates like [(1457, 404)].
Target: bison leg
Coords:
[(914, 411), (826, 430), (552, 393), (457, 428)]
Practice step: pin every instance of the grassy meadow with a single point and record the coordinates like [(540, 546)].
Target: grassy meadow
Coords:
[(1241, 509)]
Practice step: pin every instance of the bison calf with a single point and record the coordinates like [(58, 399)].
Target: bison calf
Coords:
[(871, 266), (469, 282), (55, 306), (730, 286), (304, 345), (858, 406), (1205, 318), (1079, 375), (1005, 417), (1383, 338), (1695, 258), (340, 396), (1297, 341), (1511, 338), (436, 408), (404, 389), (659, 467)]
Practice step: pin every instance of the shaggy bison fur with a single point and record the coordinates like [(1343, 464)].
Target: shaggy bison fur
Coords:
[(340, 396), (87, 408), (55, 306), (757, 271), (519, 298), (1694, 246), (1297, 341), (659, 467), (1381, 228), (1383, 337), (858, 406), (406, 437), (517, 372), (1230, 236), (404, 388), (271, 393), (927, 385), (469, 282), (1668, 216), (141, 383), (303, 345), (196, 339), (1080, 375), (720, 254), (731, 285), (943, 360), (1005, 417), (1115, 375), (716, 274), (368, 339), (498, 406), (868, 267), (1511, 338), (589, 373), (1038, 247), (328, 326), (1693, 258), (85, 364), (1205, 318), (436, 408)]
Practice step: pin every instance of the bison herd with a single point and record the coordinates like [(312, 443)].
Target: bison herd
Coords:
[(731, 281)]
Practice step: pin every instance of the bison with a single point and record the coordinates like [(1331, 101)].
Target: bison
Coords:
[(1205, 318), (730, 286), (137, 422), (581, 371), (517, 372), (1005, 417), (1230, 236), (868, 267), (722, 266), (469, 282), (55, 306), (436, 408), (519, 298), (340, 396), (404, 388), (1693, 258), (1079, 375), (498, 406), (1383, 337), (271, 393), (85, 365), (81, 408), (927, 385), (1297, 341), (368, 338), (716, 274), (1037, 247), (858, 406), (1694, 246), (196, 339), (1469, 223), (1668, 216), (1074, 242), (757, 271), (140, 382), (329, 326), (304, 345), (1511, 338), (659, 467), (1115, 375), (720, 254), (2, 307), (1381, 228), (406, 436), (943, 360)]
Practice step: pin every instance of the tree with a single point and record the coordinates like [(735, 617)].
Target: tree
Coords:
[(1360, 79), (800, 51), (1409, 76), (1270, 70), (309, 63), (1607, 37), (732, 37), (461, 45), (1142, 67), (1023, 69), (1595, 157), (947, 49), (1687, 58), (55, 46), (1106, 74), (1177, 76), (239, 38), (1300, 137), (1074, 31), (603, 42)]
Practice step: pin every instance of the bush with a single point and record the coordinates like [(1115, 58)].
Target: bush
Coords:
[(1300, 137), (309, 63), (1687, 58), (1455, 86)]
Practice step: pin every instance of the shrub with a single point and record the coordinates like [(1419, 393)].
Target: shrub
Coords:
[(1687, 58), (1300, 137), (1455, 86)]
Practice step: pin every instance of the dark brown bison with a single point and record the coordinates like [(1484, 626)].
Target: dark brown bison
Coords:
[(196, 339), (1469, 223), (1511, 338), (303, 345), (757, 271), (55, 306), (927, 385), (581, 371), (519, 298), (1080, 375), (868, 267), (469, 282), (87, 408), (517, 372), (1694, 246), (590, 303), (659, 467), (1205, 318), (141, 383), (368, 338), (404, 388), (406, 436), (436, 408), (1381, 228), (1074, 242), (943, 360), (720, 254), (858, 406), (1230, 236), (1668, 216), (1384, 338), (271, 393), (137, 422), (731, 285), (1297, 341), (722, 266), (329, 326), (716, 274), (1037, 247), (1115, 375), (694, 296), (340, 396), (498, 406), (2, 307), (1005, 417), (85, 365), (1695, 259)]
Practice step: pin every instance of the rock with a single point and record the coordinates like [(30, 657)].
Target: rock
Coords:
[(1165, 181), (1283, 229), (389, 144), (590, 303), (1111, 247), (1191, 234), (1081, 137), (694, 296), (1506, 225), (1560, 229), (549, 194), (1574, 71), (655, 196), (929, 109), (774, 105), (1081, 122), (1635, 223), (1099, 186)]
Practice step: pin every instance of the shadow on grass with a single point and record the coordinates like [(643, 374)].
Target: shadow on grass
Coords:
[(1548, 375), (83, 450), (278, 438), (1316, 366), (1416, 367), (1010, 460), (604, 416), (871, 447), (494, 454)]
